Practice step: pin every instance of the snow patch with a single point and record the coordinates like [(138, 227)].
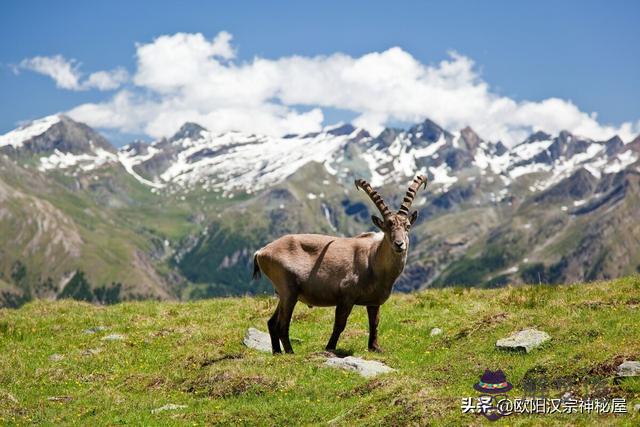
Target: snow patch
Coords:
[(18, 136)]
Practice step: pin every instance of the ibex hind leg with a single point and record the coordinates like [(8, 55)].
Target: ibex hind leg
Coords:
[(273, 330), (285, 307)]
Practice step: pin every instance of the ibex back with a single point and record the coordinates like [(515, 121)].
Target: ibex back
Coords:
[(328, 271)]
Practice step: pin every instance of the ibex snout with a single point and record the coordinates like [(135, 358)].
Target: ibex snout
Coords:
[(399, 246)]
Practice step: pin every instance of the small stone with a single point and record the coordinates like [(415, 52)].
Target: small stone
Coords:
[(95, 329), (91, 351), (10, 397), (113, 337), (366, 368), (435, 331), (63, 399), (56, 357), (526, 340), (636, 407), (168, 407), (629, 368), (257, 340)]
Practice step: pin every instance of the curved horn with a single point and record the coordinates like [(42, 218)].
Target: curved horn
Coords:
[(411, 193), (375, 197)]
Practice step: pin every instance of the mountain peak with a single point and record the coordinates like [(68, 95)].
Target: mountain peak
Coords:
[(613, 145), (17, 137), (470, 138), (345, 129), (427, 130), (188, 130), (537, 137), (55, 132), (565, 136)]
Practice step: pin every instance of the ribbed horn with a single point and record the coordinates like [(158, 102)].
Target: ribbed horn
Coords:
[(375, 197), (411, 193)]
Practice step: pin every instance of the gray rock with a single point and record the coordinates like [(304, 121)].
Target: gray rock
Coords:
[(257, 340), (91, 351), (636, 407), (168, 407), (435, 331), (95, 329), (63, 399), (526, 340), (366, 368), (629, 368), (9, 396), (113, 337), (56, 357)]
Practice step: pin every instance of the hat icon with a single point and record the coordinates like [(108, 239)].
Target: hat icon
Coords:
[(493, 382)]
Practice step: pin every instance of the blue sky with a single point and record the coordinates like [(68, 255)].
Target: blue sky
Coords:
[(584, 52)]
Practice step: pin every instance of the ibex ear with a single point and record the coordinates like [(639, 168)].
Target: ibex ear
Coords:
[(377, 222), (413, 217)]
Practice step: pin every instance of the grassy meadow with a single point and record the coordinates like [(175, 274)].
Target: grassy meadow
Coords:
[(56, 367)]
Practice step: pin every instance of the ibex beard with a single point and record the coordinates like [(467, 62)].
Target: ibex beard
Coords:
[(329, 271)]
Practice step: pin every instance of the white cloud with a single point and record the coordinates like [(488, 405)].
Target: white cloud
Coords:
[(185, 77), (67, 75)]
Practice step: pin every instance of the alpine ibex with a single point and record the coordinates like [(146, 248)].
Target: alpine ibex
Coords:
[(328, 271)]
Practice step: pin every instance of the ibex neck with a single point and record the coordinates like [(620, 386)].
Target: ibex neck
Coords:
[(387, 263)]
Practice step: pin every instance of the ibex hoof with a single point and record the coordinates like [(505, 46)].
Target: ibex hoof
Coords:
[(376, 349)]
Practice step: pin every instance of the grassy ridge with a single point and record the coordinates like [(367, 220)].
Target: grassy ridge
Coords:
[(191, 354)]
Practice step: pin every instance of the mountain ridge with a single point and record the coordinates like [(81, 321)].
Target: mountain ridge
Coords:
[(181, 216)]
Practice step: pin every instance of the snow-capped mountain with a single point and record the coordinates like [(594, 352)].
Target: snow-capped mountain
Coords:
[(233, 161)]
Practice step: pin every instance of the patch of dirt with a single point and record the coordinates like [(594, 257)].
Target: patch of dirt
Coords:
[(633, 302), (488, 321), (10, 406), (156, 383), (228, 384), (213, 360), (301, 315), (610, 367), (208, 360), (595, 382), (354, 333), (366, 388), (596, 304), (161, 332)]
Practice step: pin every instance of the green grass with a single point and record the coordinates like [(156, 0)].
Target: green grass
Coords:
[(191, 354)]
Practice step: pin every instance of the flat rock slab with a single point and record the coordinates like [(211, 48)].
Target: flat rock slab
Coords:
[(168, 407), (630, 368), (257, 340), (95, 329), (366, 368), (113, 337), (526, 340)]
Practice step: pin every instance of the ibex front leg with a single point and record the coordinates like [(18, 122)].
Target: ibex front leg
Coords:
[(374, 317), (342, 313)]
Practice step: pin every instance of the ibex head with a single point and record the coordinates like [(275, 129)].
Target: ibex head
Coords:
[(395, 226)]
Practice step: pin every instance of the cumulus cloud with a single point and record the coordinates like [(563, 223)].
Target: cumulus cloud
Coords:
[(186, 77), (67, 75)]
